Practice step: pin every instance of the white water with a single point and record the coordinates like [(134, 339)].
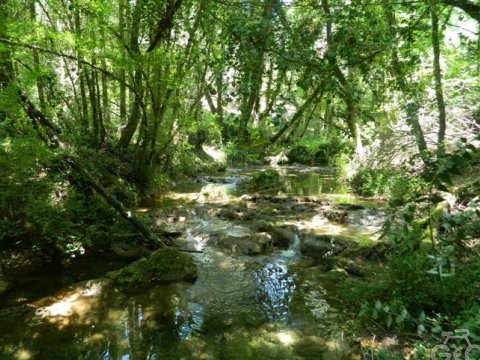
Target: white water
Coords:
[(294, 248)]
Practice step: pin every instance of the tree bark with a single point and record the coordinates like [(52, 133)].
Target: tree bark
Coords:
[(165, 23), (122, 72), (297, 116), (411, 103), (437, 71)]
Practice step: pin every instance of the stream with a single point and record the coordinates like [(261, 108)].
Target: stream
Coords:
[(251, 300)]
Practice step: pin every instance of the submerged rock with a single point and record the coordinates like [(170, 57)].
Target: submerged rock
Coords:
[(163, 266)]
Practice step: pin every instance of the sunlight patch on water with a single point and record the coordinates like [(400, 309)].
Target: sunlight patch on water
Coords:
[(285, 337), (275, 288)]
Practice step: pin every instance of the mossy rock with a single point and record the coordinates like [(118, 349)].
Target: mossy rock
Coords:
[(162, 267), (341, 263), (321, 247), (264, 180)]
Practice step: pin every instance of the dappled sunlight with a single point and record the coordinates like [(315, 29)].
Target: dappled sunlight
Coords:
[(78, 307), (23, 354), (262, 304), (286, 337), (216, 153)]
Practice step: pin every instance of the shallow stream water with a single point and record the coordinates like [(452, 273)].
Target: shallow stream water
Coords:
[(271, 305)]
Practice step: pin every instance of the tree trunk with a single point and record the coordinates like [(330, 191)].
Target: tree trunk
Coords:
[(38, 117), (36, 63), (411, 102), (297, 116), (122, 72), (437, 71), (135, 112), (81, 71)]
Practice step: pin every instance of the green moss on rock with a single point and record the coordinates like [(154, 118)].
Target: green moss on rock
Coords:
[(162, 267)]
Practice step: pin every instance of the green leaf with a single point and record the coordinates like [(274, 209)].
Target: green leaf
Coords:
[(389, 320), (422, 317)]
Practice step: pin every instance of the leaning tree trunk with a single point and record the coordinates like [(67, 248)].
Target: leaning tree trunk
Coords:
[(38, 117)]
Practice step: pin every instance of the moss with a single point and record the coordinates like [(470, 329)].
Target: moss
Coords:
[(163, 266)]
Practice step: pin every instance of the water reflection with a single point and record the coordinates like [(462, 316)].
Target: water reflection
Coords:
[(274, 290), (238, 306), (312, 184)]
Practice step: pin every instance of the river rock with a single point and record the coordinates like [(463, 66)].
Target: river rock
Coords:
[(339, 216), (246, 197), (310, 347), (349, 266), (250, 244), (351, 207), (163, 266), (127, 251), (320, 247), (377, 252), (281, 237), (230, 214)]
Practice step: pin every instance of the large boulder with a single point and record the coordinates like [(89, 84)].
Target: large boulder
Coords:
[(162, 267)]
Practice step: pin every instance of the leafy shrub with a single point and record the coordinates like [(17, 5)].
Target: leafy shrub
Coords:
[(433, 267), (45, 206), (394, 183), (264, 180), (312, 150)]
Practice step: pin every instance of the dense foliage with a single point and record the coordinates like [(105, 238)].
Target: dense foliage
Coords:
[(104, 102)]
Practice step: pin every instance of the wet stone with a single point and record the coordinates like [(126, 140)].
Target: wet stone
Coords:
[(163, 266), (320, 247)]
